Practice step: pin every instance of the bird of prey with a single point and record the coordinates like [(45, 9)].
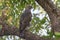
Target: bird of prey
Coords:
[(25, 19)]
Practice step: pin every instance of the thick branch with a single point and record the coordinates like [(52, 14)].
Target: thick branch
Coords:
[(52, 11), (15, 31)]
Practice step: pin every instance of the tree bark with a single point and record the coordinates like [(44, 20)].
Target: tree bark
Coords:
[(12, 30), (53, 13)]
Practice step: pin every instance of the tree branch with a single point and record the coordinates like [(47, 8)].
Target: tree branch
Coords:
[(12, 30), (53, 13)]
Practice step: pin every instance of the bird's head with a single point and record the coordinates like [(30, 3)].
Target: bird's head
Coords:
[(29, 7)]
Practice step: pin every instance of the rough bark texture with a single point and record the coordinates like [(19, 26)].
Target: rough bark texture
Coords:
[(52, 11)]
